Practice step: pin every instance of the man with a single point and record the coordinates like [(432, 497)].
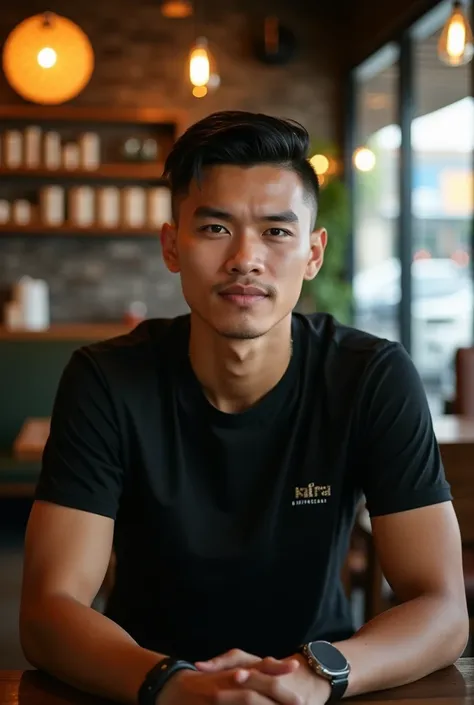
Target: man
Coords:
[(223, 455)]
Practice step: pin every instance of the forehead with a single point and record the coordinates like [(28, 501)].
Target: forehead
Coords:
[(262, 188)]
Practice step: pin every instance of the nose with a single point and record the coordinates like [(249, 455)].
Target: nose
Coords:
[(245, 257)]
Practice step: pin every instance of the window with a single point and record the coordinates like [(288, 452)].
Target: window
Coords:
[(376, 282), (442, 141)]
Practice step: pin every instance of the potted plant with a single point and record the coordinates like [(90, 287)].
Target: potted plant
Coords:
[(330, 291)]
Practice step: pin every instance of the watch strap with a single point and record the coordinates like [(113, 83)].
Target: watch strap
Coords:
[(157, 678), (338, 688)]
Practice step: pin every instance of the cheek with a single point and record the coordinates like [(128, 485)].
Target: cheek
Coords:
[(197, 260)]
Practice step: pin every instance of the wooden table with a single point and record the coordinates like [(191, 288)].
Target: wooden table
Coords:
[(452, 686), (454, 430)]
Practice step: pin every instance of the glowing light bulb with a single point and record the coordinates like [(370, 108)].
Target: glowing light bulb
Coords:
[(455, 46), (364, 159), (199, 64), (320, 164), (47, 57)]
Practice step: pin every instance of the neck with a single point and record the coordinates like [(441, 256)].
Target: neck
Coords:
[(236, 374)]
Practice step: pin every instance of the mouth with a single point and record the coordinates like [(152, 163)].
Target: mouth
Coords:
[(243, 296)]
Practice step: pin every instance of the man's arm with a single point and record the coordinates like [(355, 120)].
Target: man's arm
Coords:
[(420, 555), (67, 552)]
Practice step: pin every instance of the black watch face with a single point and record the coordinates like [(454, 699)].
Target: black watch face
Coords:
[(328, 656)]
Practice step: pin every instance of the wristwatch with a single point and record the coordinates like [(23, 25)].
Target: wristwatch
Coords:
[(328, 662)]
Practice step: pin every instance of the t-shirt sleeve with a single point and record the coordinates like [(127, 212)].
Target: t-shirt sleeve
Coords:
[(82, 466), (400, 462)]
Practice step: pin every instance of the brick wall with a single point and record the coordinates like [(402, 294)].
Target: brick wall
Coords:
[(141, 61)]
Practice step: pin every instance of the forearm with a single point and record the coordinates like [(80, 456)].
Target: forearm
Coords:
[(405, 643), (85, 649)]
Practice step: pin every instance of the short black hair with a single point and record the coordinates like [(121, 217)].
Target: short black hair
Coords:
[(240, 138)]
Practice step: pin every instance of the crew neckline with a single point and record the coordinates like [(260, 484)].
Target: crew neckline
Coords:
[(194, 400)]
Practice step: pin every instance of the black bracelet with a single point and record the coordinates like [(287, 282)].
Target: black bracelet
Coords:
[(157, 678)]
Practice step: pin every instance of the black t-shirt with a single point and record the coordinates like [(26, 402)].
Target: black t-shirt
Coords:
[(231, 529)]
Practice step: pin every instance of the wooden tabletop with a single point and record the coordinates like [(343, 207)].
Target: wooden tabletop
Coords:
[(452, 686)]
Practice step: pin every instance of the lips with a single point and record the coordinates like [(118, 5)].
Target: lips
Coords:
[(243, 291), (244, 297)]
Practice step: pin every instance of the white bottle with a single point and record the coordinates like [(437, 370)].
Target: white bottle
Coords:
[(21, 212), (134, 207), (52, 206), (33, 147), (90, 150), (52, 150), (13, 146), (82, 206), (108, 207), (71, 156), (158, 207), (32, 296)]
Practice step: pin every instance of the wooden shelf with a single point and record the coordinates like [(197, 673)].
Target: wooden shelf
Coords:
[(49, 230), (134, 171), (94, 114), (68, 331)]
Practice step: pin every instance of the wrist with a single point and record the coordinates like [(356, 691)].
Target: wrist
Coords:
[(320, 688), (166, 694)]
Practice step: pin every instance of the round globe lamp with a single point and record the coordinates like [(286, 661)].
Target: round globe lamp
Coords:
[(48, 59)]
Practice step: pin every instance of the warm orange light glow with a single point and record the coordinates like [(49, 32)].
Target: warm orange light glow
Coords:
[(320, 164), (455, 46), (176, 9), (48, 59)]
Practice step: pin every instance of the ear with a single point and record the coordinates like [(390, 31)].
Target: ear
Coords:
[(169, 248), (319, 240)]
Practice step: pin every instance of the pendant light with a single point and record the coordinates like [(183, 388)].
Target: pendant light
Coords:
[(202, 68), (455, 46), (176, 9), (48, 59)]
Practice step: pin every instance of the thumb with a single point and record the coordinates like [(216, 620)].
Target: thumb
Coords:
[(273, 667)]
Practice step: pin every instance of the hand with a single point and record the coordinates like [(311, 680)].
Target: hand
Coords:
[(241, 659), (227, 687), (294, 672)]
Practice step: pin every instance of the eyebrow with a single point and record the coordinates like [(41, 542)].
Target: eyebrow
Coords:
[(208, 212)]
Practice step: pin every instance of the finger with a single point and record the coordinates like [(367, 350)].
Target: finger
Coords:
[(231, 659), (270, 687), (274, 667)]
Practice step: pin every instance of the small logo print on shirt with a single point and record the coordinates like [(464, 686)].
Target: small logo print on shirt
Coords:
[(311, 494)]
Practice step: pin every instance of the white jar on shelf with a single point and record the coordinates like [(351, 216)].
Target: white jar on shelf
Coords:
[(52, 205), (108, 207), (134, 207), (52, 150), (21, 212), (33, 147), (82, 206), (32, 297), (89, 144), (158, 207), (13, 149), (71, 156)]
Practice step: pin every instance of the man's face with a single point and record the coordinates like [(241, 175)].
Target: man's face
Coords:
[(243, 246)]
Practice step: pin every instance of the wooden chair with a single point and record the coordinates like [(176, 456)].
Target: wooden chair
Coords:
[(463, 403)]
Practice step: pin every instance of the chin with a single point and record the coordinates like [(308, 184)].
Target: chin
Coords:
[(243, 329)]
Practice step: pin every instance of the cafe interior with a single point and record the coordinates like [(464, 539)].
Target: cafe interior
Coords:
[(92, 96)]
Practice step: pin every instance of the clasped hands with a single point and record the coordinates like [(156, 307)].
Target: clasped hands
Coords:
[(239, 678)]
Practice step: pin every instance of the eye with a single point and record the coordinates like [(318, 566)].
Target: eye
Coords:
[(213, 229), (279, 232)]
